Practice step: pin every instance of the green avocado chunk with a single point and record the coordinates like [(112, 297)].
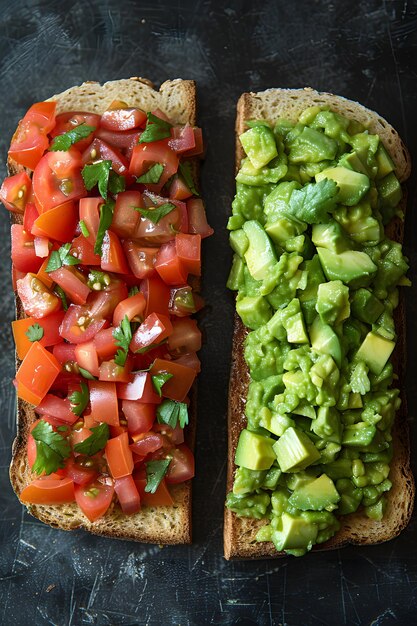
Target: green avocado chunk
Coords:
[(315, 496), (375, 350), (348, 266), (296, 533), (260, 255), (324, 340), (254, 451), (352, 185), (259, 144), (331, 236), (365, 306), (295, 451)]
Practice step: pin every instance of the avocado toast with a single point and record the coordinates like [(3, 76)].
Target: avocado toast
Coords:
[(305, 503)]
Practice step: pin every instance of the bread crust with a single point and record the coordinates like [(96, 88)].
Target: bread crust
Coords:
[(161, 525), (357, 529)]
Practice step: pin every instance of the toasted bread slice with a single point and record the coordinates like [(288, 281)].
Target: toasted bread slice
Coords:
[(162, 525), (357, 528)]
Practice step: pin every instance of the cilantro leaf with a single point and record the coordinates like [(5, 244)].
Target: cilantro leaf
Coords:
[(155, 471), (159, 381), (95, 442), (79, 399), (117, 183), (97, 174), (84, 229), (51, 449), (123, 336), (106, 217), (186, 171), (312, 203), (153, 174), (61, 257), (171, 412), (61, 294), (86, 374), (65, 141), (34, 332), (156, 129), (156, 214)]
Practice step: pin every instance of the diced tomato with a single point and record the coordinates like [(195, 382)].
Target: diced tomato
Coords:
[(59, 408), (82, 249), (182, 138), (78, 324), (48, 490), (144, 155), (50, 327), (103, 303), (94, 499), (185, 336), (175, 435), (43, 115), (178, 189), (154, 329), (28, 144), (119, 456), (124, 141), (99, 150), (141, 260), (157, 295), (181, 467), (111, 371), (190, 359), (69, 121), (125, 218), (179, 385), (15, 191), (38, 371), (31, 447), (86, 357), (199, 146), (105, 344), (143, 360), (78, 436), (72, 283), (141, 388), (169, 266), (127, 494), (112, 256), (103, 400), (64, 352), (146, 443), (37, 300), (29, 217), (79, 474), (181, 302), (43, 275), (90, 215), (188, 248), (161, 497), (57, 179), (123, 119), (23, 250), (58, 223), (132, 308), (163, 230), (197, 220), (140, 416)]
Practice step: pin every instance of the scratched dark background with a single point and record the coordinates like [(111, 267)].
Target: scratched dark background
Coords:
[(363, 50)]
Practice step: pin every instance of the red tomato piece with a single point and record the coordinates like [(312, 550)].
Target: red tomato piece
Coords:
[(90, 215), (161, 497), (28, 145), (69, 121), (86, 357), (84, 251), (15, 191), (38, 370), (124, 141), (59, 408), (157, 295), (71, 282), (146, 443), (78, 436), (179, 190), (144, 155), (119, 456), (105, 344), (78, 324), (190, 359), (197, 220), (37, 300), (94, 499), (29, 217), (169, 266), (181, 467), (112, 256), (50, 326), (125, 218), (123, 119), (185, 336), (182, 302), (103, 401), (154, 329), (164, 230), (64, 352), (188, 248), (58, 223), (111, 371), (57, 179), (23, 250), (140, 417), (127, 494), (48, 490), (79, 474), (43, 115), (132, 307), (199, 145), (103, 303), (141, 260), (141, 388), (43, 275), (99, 150), (179, 385), (182, 138), (175, 435)]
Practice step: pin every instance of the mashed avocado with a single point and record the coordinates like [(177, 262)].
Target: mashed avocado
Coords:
[(316, 283)]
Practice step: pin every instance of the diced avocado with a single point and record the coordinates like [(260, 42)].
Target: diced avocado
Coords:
[(239, 241), (295, 451), (311, 146), (253, 311), (254, 451), (375, 351), (358, 435), (276, 202), (275, 422), (260, 255), (296, 329), (325, 341), (315, 496), (340, 468), (333, 302), (331, 236), (283, 229), (376, 511), (303, 408), (255, 177), (236, 278), (389, 191), (302, 478), (355, 401), (365, 306), (259, 144), (234, 222), (384, 162), (295, 533), (352, 185), (349, 266), (247, 480), (353, 161), (327, 424)]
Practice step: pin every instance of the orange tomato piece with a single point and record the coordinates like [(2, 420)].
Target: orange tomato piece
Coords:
[(119, 456), (47, 490), (37, 372)]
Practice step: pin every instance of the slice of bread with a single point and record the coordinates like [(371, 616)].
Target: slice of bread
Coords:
[(240, 533), (162, 525)]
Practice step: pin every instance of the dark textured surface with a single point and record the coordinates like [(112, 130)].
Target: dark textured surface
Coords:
[(363, 50)]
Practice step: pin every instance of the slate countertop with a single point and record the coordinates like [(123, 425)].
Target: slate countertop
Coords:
[(366, 51)]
